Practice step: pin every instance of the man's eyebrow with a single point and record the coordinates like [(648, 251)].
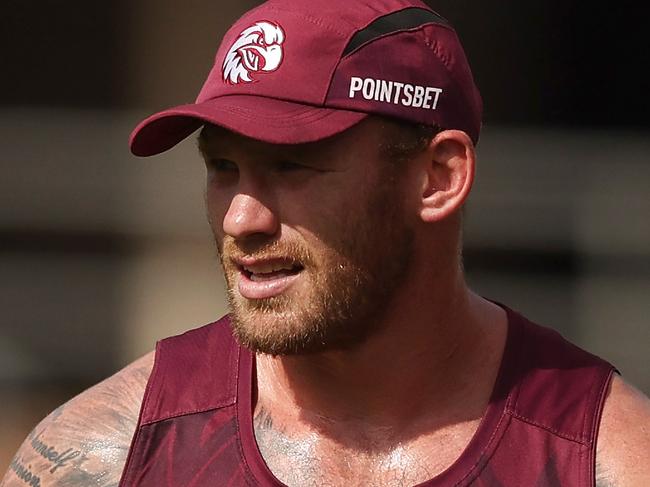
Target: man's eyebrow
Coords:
[(212, 137)]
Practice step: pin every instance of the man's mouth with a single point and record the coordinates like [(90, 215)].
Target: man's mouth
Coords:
[(270, 271), (265, 279)]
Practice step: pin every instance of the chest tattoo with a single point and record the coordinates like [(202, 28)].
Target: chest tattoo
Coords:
[(306, 461)]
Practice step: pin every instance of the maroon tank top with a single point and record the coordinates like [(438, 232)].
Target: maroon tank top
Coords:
[(539, 430)]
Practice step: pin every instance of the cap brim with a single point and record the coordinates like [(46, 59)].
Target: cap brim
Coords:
[(265, 119)]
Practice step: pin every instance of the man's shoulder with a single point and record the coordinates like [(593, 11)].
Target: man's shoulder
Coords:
[(623, 443), (557, 370), (86, 440), (550, 371), (542, 346)]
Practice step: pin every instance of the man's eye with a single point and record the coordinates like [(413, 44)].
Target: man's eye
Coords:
[(221, 165)]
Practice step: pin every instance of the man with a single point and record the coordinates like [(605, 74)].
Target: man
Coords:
[(339, 143)]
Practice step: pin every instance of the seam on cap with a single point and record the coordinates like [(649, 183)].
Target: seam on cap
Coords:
[(251, 115), (318, 22), (306, 118), (431, 45), (299, 103), (308, 18), (412, 29), (341, 57), (298, 110), (347, 41)]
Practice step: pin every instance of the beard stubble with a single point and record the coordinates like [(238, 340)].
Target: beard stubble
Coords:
[(353, 275)]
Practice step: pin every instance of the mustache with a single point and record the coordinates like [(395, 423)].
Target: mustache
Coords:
[(231, 249)]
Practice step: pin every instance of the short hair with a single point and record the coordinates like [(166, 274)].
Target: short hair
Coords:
[(404, 140)]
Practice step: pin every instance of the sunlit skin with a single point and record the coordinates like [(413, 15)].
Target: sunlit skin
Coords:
[(429, 324), (393, 401), (311, 240)]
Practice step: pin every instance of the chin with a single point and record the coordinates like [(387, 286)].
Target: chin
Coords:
[(304, 331)]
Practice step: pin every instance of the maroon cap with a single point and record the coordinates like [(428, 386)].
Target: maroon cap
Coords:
[(294, 71)]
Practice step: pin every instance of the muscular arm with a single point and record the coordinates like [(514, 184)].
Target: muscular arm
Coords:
[(623, 445), (84, 442)]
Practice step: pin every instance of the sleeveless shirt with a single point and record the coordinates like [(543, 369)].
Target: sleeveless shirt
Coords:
[(195, 427)]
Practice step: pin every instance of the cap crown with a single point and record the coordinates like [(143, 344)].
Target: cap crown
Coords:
[(389, 57)]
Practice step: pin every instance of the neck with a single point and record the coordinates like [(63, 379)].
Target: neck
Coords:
[(440, 348)]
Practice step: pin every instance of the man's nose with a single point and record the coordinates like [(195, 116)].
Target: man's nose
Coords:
[(247, 215)]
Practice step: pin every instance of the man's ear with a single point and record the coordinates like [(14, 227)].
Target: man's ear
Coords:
[(447, 174)]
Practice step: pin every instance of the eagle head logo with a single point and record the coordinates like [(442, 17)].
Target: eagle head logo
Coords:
[(258, 49)]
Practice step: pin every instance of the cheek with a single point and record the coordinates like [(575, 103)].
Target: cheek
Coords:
[(329, 225), (216, 205)]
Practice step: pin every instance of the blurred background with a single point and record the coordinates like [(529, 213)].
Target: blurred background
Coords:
[(101, 254)]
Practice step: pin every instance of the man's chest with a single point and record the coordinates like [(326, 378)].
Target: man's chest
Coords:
[(311, 460)]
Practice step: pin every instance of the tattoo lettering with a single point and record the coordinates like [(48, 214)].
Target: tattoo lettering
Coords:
[(50, 453), (24, 473), (85, 442)]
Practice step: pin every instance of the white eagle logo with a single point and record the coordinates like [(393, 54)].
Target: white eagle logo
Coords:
[(257, 50)]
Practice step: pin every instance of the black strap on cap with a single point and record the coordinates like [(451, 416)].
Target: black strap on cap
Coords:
[(406, 19)]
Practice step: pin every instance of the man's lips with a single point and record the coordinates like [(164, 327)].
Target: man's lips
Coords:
[(260, 279)]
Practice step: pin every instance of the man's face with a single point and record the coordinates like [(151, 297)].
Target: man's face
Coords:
[(313, 239)]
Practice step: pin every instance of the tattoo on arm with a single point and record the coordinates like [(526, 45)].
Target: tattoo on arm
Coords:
[(86, 441), (57, 457), (57, 454)]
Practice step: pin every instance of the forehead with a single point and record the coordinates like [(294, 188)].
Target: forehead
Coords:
[(366, 137)]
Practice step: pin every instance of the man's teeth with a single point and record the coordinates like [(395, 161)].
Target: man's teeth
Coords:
[(268, 268), (270, 275), (267, 272)]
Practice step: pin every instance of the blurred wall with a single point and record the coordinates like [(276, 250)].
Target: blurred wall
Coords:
[(101, 253)]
